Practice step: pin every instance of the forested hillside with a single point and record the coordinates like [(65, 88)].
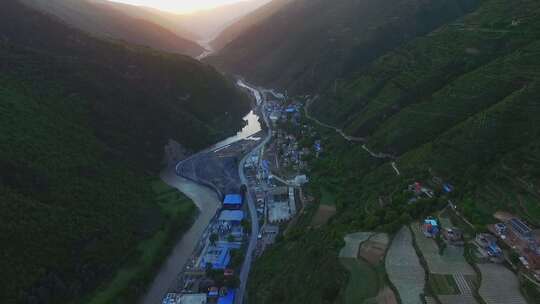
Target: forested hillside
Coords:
[(458, 105), (83, 121), (244, 24), (458, 101), (120, 22), (306, 45)]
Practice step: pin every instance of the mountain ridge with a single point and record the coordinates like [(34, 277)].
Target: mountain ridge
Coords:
[(102, 19)]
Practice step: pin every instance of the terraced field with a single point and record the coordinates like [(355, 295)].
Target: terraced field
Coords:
[(451, 262), (366, 282), (404, 269), (499, 285)]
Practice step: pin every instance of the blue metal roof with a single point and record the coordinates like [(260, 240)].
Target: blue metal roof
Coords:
[(231, 215), (228, 299), (232, 199), (431, 222), (218, 256), (520, 227)]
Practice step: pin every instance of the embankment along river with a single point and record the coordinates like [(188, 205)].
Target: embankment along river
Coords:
[(208, 203)]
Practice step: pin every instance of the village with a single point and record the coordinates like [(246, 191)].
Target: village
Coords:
[(275, 177), (442, 252)]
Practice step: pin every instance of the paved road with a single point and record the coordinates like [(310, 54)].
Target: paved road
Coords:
[(246, 267)]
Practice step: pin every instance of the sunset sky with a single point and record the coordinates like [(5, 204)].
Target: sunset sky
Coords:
[(179, 6)]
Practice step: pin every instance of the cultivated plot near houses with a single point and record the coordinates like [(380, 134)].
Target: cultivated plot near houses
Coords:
[(404, 269), (352, 244), (499, 285), (450, 275), (374, 249), (451, 262)]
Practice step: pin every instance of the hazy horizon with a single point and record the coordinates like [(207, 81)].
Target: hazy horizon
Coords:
[(180, 6)]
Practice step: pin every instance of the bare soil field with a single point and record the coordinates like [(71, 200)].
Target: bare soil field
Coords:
[(324, 213), (374, 249), (352, 244)]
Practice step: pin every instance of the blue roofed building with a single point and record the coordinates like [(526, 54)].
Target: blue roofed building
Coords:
[(234, 217), (217, 256), (228, 298), (520, 229), (232, 201)]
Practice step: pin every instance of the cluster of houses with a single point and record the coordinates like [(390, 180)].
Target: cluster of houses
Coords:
[(521, 238), (277, 112), (225, 234), (419, 191), (512, 231), (228, 234)]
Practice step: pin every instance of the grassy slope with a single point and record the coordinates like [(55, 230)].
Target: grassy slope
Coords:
[(82, 122)]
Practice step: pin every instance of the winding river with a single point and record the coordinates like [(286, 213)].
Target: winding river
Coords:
[(208, 203)]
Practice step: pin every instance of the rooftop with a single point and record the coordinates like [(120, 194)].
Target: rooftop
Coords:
[(192, 299), (233, 199), (218, 256), (231, 215), (520, 227), (227, 299)]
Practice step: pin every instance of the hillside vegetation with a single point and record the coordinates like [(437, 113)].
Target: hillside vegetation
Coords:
[(459, 105), (459, 102), (244, 24), (83, 122), (120, 22), (307, 44)]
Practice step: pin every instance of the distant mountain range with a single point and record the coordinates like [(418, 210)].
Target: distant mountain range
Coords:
[(161, 30), (105, 20), (307, 44), (201, 25), (244, 24)]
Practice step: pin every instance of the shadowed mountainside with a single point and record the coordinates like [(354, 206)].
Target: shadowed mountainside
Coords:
[(307, 44), (103, 19), (84, 122), (459, 105)]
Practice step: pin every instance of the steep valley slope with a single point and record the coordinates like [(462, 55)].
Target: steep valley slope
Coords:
[(83, 124), (120, 22), (305, 45), (459, 105)]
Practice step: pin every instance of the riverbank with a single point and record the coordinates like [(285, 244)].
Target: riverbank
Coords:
[(208, 203)]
